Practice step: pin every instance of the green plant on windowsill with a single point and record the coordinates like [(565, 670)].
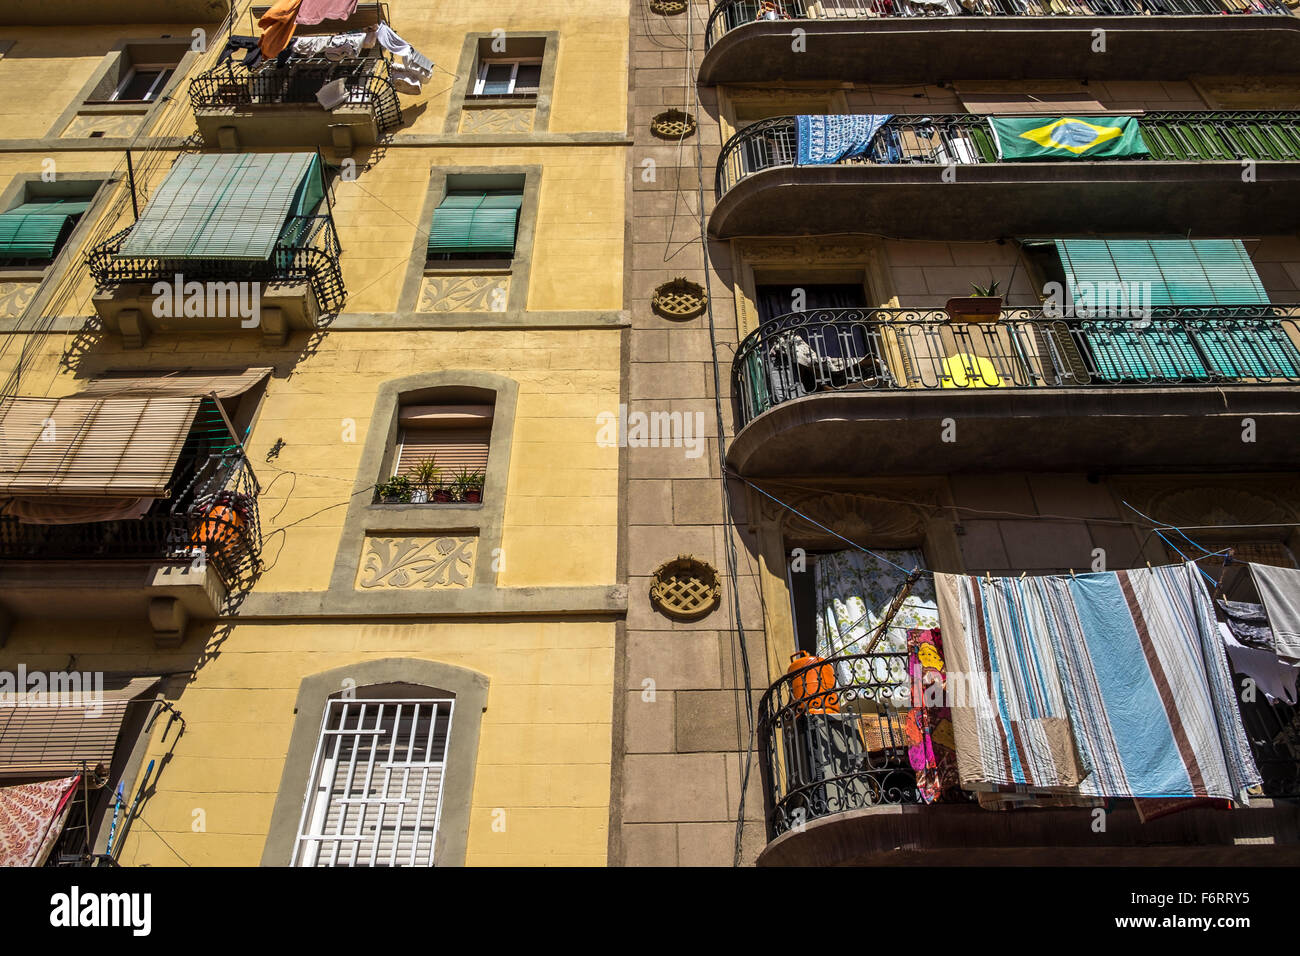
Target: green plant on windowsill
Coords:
[(426, 477), (396, 490), (468, 485)]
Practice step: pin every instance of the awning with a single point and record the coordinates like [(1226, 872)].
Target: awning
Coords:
[(38, 740), (35, 229), (227, 383), (225, 206), (473, 222), (1172, 271), (121, 447)]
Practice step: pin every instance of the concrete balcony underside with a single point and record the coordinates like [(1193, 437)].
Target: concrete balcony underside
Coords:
[(994, 200), (1265, 834), (69, 12), (161, 594), (1003, 48), (1097, 428), (132, 310), (287, 125)]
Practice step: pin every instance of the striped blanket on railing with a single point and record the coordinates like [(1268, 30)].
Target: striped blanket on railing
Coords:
[(1112, 684)]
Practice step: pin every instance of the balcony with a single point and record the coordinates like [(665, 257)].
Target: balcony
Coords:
[(839, 790), (901, 41), (89, 12), (300, 282), (186, 558), (277, 106), (867, 391), (1193, 175)]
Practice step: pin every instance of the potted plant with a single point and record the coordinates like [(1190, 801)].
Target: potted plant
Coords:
[(984, 304), (396, 490), (426, 477), (469, 485)]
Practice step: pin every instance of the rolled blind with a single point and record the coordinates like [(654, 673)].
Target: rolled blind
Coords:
[(452, 449), (469, 222), (35, 230), (1177, 271), (50, 740), (223, 206)]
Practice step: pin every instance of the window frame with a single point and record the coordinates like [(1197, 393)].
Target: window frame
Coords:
[(164, 72), (480, 79)]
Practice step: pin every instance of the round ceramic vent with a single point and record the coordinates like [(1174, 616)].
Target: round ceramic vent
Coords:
[(674, 124), (679, 299), (685, 588)]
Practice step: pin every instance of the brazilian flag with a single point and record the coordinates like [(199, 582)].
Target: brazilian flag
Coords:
[(1067, 137)]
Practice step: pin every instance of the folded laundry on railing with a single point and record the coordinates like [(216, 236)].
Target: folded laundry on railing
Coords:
[(333, 95), (344, 46), (829, 139)]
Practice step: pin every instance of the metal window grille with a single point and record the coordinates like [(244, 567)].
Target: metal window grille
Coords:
[(375, 791)]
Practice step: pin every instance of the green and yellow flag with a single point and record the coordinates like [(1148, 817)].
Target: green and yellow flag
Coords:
[(1067, 137)]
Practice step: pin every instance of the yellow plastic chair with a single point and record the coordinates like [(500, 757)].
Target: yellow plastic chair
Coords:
[(964, 370)]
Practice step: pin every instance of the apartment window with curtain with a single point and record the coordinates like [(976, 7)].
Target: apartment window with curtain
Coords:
[(441, 455), (374, 795), (510, 68)]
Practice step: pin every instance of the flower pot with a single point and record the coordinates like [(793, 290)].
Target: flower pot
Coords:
[(473, 495), (220, 528), (975, 308), (419, 496), (442, 496)]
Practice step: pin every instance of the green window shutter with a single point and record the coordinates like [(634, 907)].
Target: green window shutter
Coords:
[(221, 206), (1176, 271), (476, 222), (35, 230)]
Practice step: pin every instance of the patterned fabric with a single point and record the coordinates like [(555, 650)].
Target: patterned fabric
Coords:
[(828, 139), (1131, 659), (31, 819), (1248, 623), (930, 744)]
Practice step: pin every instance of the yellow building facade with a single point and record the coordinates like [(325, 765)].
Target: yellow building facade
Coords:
[(510, 606)]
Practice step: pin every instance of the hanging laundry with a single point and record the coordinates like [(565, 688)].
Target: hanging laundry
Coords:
[(1136, 659), (278, 25), (387, 37), (309, 46), (1249, 623), (930, 745), (1279, 589), (344, 46), (32, 816), (1274, 676), (333, 95), (828, 139), (249, 45), (405, 80), (314, 11)]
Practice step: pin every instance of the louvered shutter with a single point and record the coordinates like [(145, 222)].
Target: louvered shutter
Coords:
[(475, 222), (35, 230), (451, 449), (222, 206), (1179, 271)]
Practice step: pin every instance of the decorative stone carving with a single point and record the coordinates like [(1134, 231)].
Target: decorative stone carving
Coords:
[(1217, 504), (112, 126), (668, 8), (856, 516), (673, 124), (685, 588), (505, 119), (15, 297), (432, 563), (461, 293), (679, 299)]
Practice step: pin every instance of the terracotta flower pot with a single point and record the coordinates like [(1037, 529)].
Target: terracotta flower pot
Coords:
[(474, 495)]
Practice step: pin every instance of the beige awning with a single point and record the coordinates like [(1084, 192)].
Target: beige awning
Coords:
[(38, 741), (226, 383), (118, 446)]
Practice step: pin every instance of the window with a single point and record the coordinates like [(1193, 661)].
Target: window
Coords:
[(375, 791), (476, 224), (142, 84), (441, 455), (508, 78), (33, 231)]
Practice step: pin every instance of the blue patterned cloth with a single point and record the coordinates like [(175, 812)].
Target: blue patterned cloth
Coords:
[(828, 139)]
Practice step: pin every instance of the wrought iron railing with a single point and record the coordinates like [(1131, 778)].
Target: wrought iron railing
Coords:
[(889, 349), (967, 139), (831, 739), (212, 520), (308, 251), (730, 14), (366, 82)]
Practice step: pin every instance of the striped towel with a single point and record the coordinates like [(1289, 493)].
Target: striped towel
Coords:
[(1130, 659)]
